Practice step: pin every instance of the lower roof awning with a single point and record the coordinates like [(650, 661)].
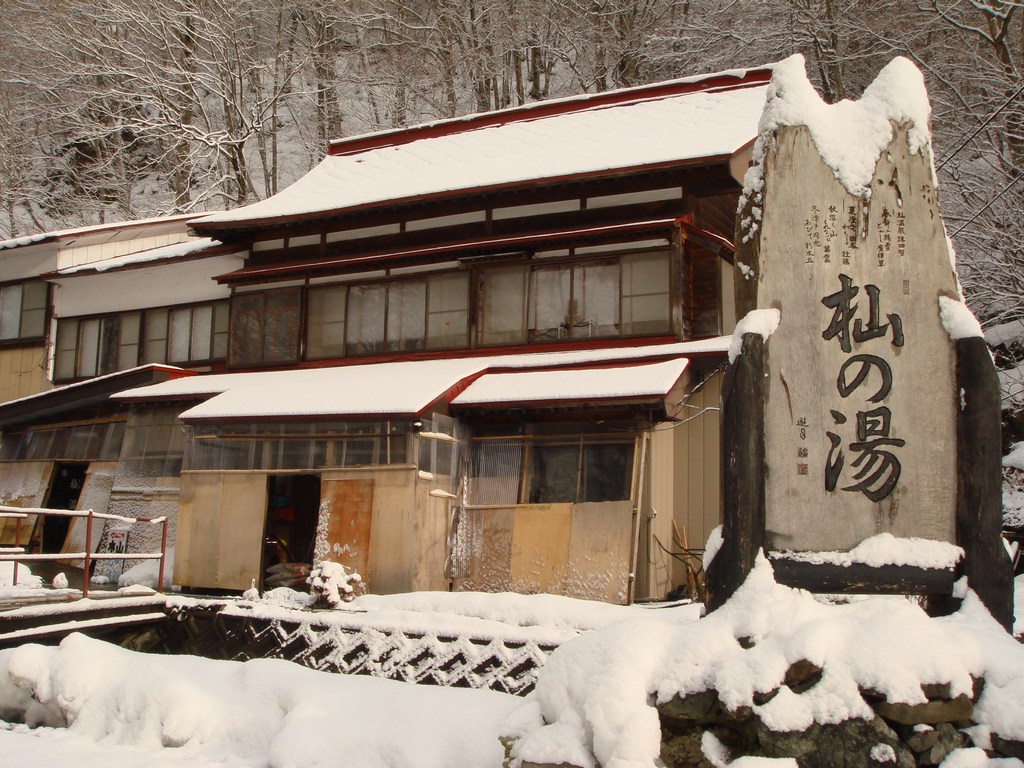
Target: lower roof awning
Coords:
[(615, 384), (647, 376)]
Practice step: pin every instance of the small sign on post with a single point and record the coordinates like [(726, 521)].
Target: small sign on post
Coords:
[(872, 410)]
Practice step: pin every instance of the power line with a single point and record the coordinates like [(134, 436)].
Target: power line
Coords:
[(989, 203), (981, 127)]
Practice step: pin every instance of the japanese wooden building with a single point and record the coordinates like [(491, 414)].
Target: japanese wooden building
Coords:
[(481, 353)]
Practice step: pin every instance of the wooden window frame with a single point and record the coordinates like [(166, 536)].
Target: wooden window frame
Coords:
[(145, 320), (20, 336)]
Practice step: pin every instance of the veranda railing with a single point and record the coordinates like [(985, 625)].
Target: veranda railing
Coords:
[(17, 553)]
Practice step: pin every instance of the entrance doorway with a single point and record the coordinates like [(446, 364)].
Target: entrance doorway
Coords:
[(65, 489), (293, 506)]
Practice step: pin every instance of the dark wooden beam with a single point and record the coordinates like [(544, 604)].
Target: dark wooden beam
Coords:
[(858, 578), (743, 472), (979, 505)]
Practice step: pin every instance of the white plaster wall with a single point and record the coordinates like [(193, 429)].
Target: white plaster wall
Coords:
[(157, 286), (25, 264)]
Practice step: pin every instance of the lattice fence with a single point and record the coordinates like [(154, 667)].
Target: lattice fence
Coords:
[(463, 661)]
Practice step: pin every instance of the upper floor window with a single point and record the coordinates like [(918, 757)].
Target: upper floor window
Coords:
[(95, 346), (548, 302), (430, 313), (620, 295), (265, 326), (23, 311)]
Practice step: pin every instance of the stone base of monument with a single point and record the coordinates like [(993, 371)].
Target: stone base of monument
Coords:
[(698, 725)]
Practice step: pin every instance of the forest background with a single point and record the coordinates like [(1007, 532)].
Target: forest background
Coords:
[(123, 109)]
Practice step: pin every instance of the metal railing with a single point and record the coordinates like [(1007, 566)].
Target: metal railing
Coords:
[(17, 553)]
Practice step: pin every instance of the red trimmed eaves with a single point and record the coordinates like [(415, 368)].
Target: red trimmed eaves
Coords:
[(286, 270), (212, 229), (543, 109)]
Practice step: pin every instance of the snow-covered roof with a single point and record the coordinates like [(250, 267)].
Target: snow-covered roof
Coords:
[(627, 381), (409, 388), (18, 242), (654, 128), (163, 253), (93, 229), (172, 370)]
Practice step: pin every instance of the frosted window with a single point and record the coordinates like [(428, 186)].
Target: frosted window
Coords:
[(406, 315), (594, 307), (155, 347), (220, 330), (504, 309), (645, 294), (128, 352), (180, 321), (88, 347), (10, 311), (326, 334), (447, 311), (33, 310), (366, 305), (67, 343), (202, 332), (550, 312)]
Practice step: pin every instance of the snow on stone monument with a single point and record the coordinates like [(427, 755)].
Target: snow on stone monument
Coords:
[(849, 298)]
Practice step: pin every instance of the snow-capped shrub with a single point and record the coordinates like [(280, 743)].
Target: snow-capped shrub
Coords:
[(334, 584)]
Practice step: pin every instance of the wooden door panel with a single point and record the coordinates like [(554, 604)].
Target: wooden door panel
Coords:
[(349, 521)]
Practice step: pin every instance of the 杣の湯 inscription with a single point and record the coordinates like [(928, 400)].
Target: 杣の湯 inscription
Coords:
[(859, 410)]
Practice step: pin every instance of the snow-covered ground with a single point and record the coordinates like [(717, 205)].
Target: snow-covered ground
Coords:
[(128, 709), (92, 704)]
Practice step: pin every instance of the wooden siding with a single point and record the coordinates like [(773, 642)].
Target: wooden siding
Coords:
[(392, 546), (658, 572), (577, 550), (348, 504), (697, 491), (22, 372), (219, 542), (683, 483), (430, 537)]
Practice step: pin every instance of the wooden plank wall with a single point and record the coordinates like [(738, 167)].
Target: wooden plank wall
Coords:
[(578, 550), (697, 489), (348, 504), (430, 537), (22, 372), (219, 542), (657, 571), (392, 551), (540, 547), (683, 483)]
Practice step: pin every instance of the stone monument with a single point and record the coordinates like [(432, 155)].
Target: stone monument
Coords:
[(861, 402)]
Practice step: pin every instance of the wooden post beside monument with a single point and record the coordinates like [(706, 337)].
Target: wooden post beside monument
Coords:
[(869, 405)]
